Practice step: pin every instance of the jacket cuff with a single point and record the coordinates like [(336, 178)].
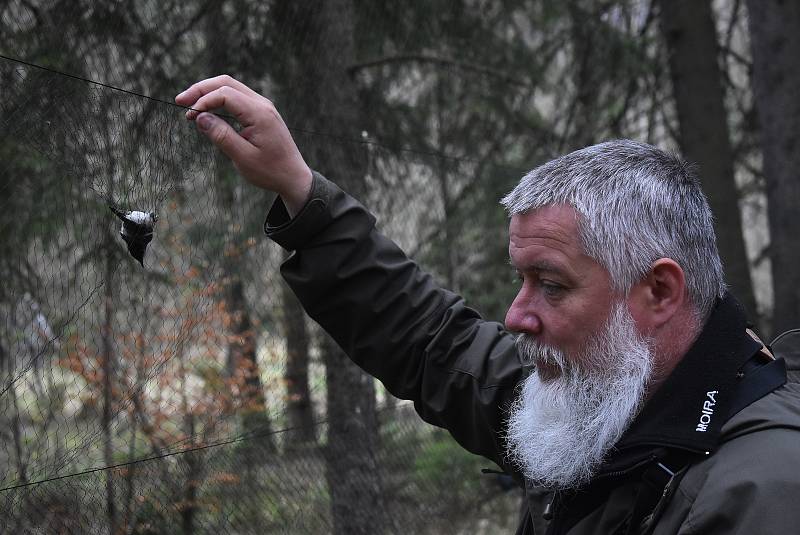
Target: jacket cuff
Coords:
[(292, 233)]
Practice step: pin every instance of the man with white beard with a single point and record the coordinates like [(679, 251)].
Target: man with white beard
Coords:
[(578, 408), (632, 398)]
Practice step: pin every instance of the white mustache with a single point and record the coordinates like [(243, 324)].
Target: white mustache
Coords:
[(582, 410)]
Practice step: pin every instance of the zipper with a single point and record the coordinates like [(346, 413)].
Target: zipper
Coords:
[(551, 509), (655, 455), (549, 514), (624, 471)]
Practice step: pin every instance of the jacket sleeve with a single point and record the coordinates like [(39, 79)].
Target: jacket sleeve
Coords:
[(422, 342)]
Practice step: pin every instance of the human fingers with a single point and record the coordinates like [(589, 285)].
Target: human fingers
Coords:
[(274, 164), (225, 138), (203, 87), (242, 106), (263, 151)]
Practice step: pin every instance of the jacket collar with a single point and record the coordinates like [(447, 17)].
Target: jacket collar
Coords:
[(693, 403)]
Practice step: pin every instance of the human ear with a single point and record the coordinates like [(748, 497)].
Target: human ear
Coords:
[(659, 295)]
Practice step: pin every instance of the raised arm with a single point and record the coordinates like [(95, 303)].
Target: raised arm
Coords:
[(263, 151), (388, 315)]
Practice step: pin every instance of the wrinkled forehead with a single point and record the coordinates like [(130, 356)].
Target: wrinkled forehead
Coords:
[(561, 221), (558, 229), (548, 231)]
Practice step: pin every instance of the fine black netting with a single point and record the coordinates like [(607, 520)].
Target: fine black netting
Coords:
[(130, 151), (190, 393)]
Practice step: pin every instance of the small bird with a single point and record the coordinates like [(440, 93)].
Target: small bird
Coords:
[(137, 230)]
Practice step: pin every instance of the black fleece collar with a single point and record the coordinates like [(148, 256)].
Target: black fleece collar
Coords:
[(693, 403)]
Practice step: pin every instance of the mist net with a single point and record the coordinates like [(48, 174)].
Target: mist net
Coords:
[(156, 374)]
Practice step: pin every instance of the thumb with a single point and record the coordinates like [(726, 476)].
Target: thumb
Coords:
[(222, 135)]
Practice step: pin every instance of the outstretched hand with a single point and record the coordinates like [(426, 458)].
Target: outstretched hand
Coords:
[(263, 151)]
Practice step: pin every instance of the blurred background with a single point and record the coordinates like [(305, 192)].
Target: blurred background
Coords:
[(191, 394)]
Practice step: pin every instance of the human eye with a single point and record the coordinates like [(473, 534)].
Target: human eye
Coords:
[(553, 290)]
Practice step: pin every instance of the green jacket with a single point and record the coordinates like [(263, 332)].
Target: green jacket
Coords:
[(738, 471)]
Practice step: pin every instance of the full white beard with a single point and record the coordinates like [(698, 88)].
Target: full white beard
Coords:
[(560, 429)]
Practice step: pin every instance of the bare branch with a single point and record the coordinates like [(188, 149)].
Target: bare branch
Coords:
[(728, 52), (422, 58)]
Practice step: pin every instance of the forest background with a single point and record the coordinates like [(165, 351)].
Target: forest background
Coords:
[(191, 394)]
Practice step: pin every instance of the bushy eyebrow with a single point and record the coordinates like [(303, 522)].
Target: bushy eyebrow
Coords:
[(539, 265)]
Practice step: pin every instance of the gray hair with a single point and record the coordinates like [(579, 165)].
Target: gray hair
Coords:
[(636, 204)]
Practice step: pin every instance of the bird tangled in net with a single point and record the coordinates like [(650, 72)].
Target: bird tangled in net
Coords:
[(123, 149)]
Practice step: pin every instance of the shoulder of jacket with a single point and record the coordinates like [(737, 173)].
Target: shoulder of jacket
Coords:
[(780, 409), (755, 469), (758, 446), (752, 482)]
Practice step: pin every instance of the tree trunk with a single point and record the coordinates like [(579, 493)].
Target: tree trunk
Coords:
[(582, 125), (242, 360), (688, 28), (107, 352), (324, 98), (191, 462), (775, 37), (242, 348), (17, 433), (299, 407), (351, 455), (449, 260)]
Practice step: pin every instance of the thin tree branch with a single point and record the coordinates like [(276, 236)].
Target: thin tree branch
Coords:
[(423, 58), (735, 10)]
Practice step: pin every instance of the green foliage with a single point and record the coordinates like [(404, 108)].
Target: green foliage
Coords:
[(445, 467)]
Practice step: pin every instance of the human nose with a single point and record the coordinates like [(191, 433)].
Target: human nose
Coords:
[(521, 316)]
